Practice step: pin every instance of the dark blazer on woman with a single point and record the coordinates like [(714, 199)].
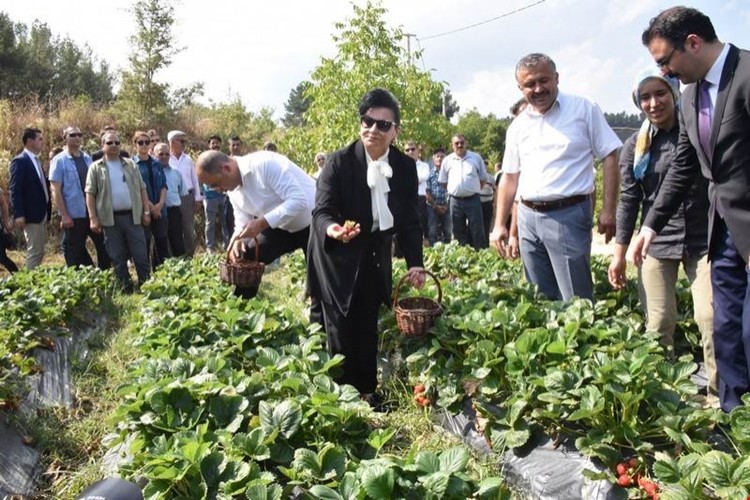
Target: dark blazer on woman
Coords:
[(343, 194)]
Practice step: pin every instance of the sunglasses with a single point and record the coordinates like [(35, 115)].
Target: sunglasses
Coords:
[(143, 143), (383, 125), (109, 143), (75, 134)]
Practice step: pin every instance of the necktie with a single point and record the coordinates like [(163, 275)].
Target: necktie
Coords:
[(705, 110)]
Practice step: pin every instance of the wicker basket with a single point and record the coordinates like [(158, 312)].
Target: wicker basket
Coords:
[(415, 315), (245, 273)]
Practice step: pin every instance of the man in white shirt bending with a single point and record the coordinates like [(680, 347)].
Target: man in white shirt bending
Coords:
[(272, 199)]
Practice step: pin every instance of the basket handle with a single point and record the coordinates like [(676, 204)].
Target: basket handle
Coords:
[(231, 244), (424, 271)]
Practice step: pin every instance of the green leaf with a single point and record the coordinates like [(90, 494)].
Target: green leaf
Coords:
[(427, 462), (251, 444), (454, 460), (325, 493), (716, 467), (378, 481), (489, 487), (212, 467), (379, 437), (263, 492), (436, 483), (741, 471)]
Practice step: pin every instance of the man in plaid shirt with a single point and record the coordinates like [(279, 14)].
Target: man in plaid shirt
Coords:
[(439, 225)]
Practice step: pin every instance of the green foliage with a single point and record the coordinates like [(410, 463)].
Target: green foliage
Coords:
[(485, 134), (142, 101), (35, 62), (370, 54), (34, 304), (296, 106)]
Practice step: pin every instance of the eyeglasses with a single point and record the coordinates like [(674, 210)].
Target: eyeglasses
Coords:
[(162, 154), (75, 134), (409, 150), (143, 143), (383, 125), (664, 61), (109, 143)]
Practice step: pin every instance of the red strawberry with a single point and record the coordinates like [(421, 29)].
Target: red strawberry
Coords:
[(419, 389), (624, 480), (622, 469)]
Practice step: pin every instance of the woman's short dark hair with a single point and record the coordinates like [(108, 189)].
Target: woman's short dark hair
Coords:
[(380, 98)]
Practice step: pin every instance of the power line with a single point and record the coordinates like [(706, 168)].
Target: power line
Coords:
[(483, 22)]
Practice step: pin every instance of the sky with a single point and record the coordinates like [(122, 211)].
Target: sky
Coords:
[(260, 50)]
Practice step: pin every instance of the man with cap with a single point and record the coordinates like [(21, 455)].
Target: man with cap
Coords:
[(645, 160), (181, 161)]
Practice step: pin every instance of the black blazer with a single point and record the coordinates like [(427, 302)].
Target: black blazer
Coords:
[(27, 192), (727, 166), (343, 194)]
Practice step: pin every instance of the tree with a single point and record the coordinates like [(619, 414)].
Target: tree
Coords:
[(484, 133), (447, 106), (296, 106), (38, 64), (142, 100), (370, 54)]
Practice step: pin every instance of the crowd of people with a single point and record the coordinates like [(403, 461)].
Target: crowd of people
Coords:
[(683, 173)]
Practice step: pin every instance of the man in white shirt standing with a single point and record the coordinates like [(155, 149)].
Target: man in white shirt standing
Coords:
[(272, 199), (423, 173), (463, 173), (181, 161), (553, 142)]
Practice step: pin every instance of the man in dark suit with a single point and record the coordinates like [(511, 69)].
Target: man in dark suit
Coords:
[(374, 185), (714, 141), (29, 194)]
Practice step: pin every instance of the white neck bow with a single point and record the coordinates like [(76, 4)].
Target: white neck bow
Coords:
[(378, 173)]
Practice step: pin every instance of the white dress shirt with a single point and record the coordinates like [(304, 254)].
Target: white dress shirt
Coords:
[(555, 151), (39, 171), (714, 75), (185, 166), (275, 188), (423, 173), (463, 176)]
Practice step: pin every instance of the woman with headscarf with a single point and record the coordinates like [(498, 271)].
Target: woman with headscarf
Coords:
[(366, 194), (644, 162)]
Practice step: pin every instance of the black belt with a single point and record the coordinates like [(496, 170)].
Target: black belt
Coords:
[(548, 206), (123, 212), (465, 197)]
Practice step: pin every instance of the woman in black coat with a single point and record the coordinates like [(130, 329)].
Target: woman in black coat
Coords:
[(373, 185)]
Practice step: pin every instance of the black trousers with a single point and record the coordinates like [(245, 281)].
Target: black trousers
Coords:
[(74, 246), (272, 244), (4, 259), (174, 231), (355, 335), (157, 232)]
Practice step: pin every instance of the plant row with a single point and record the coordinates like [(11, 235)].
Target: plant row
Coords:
[(583, 373), (34, 305), (235, 398)]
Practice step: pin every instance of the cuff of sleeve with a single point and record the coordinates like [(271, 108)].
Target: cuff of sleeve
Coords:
[(647, 230), (273, 219)]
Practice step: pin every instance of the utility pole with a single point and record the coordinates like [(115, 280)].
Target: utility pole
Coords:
[(408, 44)]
